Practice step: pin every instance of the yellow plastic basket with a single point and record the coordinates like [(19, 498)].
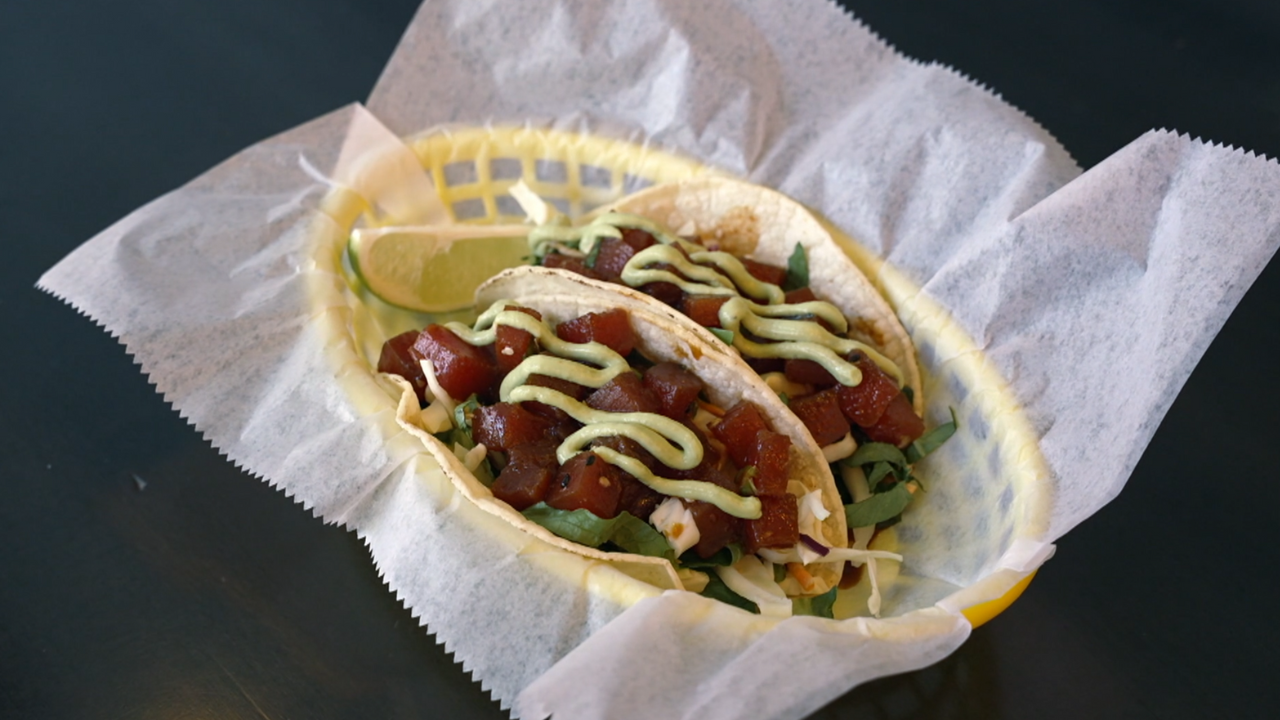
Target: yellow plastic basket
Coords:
[(473, 169)]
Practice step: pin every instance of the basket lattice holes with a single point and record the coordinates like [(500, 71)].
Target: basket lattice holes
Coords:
[(474, 168)]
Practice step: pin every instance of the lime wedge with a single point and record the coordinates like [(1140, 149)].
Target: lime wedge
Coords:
[(435, 268)]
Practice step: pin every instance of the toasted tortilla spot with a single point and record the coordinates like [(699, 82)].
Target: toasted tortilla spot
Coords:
[(870, 330), (737, 231)]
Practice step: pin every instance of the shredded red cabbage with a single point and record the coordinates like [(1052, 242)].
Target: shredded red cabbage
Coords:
[(814, 545)]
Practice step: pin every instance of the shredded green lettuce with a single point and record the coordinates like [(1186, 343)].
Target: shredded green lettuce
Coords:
[(582, 526)]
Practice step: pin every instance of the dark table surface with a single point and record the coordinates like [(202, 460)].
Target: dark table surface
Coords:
[(204, 593)]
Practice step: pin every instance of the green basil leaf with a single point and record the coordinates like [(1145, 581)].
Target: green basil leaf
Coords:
[(876, 452), (586, 528), (878, 471), (911, 394), (933, 439), (797, 270), (637, 536), (724, 557), (747, 480), (593, 256), (878, 507), (726, 336), (779, 572), (818, 606), (717, 590)]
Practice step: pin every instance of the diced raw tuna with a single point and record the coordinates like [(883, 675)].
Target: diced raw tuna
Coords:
[(629, 447), (513, 345), (703, 309), (898, 424), (711, 468), (716, 528), (504, 426), (528, 474), (808, 372), (799, 295), (397, 358), (864, 403), (638, 239), (625, 393), (586, 482), (610, 327), (764, 366), (777, 527), (572, 264), (612, 258), (637, 498), (820, 413), (551, 412), (772, 461), (568, 387), (676, 389), (764, 272), (462, 369), (737, 431), (668, 293)]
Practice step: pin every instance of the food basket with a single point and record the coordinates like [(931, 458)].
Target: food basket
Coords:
[(992, 462)]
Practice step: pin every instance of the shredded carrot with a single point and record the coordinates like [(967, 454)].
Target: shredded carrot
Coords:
[(714, 410), (801, 575)]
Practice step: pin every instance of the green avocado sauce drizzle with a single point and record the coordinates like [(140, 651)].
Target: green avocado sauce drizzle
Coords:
[(669, 441), (753, 305)]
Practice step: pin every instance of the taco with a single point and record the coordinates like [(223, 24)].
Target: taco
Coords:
[(754, 269), (757, 269), (606, 429)]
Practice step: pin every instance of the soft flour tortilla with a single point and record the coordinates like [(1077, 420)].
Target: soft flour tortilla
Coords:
[(562, 296), (762, 224)]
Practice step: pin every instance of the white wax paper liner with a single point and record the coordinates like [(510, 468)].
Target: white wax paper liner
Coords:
[(1132, 267), (216, 289)]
